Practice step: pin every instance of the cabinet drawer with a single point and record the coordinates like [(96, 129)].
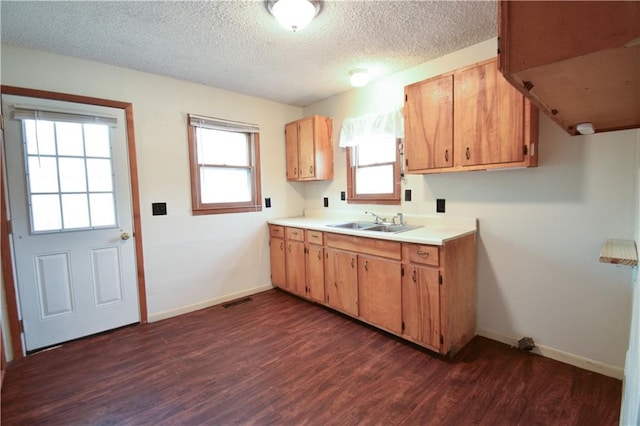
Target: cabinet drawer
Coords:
[(374, 247), (276, 231), (426, 255), (294, 234), (314, 237)]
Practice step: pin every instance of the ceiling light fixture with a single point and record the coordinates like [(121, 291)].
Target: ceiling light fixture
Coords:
[(585, 128), (359, 77), (294, 15)]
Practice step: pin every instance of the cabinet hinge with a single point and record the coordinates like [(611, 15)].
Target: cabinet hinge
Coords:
[(406, 97), (406, 162), (21, 326), (498, 47), (525, 151), (403, 326), (441, 339), (402, 272), (440, 279), (1, 122)]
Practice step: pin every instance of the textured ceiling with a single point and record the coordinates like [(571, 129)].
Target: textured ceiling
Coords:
[(238, 46)]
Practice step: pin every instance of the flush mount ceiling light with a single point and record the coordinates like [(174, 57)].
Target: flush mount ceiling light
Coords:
[(359, 77), (294, 15), (585, 128)]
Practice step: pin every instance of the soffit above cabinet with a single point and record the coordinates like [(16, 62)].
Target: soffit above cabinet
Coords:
[(577, 61)]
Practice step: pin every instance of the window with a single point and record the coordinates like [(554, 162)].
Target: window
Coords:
[(373, 157), (69, 170), (225, 166), (373, 174)]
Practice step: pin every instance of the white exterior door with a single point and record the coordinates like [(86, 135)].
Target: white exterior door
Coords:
[(71, 214)]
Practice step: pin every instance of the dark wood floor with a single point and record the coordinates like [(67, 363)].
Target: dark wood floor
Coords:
[(280, 360)]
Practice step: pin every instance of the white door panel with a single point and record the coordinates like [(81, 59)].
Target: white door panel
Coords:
[(75, 275)]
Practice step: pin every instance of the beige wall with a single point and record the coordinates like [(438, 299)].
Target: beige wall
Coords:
[(540, 229), (190, 261)]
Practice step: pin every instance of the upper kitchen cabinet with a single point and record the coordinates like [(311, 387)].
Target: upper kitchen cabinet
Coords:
[(469, 119), (309, 148), (578, 61)]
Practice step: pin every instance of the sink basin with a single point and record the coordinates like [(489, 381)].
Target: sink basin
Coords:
[(392, 228), (372, 226), (353, 225)]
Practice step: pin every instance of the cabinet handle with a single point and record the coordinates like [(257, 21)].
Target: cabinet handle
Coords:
[(289, 248), (295, 171), (446, 155), (423, 253), (352, 260), (366, 265), (468, 154), (414, 276), (311, 169), (281, 246), (319, 254), (314, 236), (294, 232)]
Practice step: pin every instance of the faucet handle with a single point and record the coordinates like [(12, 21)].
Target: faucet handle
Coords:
[(400, 217)]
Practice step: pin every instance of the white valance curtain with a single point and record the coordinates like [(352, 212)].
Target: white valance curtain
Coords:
[(370, 127)]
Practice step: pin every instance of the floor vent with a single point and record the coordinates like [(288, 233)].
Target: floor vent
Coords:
[(236, 302)]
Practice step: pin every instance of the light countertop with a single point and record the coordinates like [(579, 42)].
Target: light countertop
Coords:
[(434, 230)]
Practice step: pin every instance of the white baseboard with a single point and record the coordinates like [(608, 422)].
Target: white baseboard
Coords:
[(207, 303), (558, 355)]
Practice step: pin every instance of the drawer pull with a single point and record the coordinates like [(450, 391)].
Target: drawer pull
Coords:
[(314, 236), (294, 232), (423, 253)]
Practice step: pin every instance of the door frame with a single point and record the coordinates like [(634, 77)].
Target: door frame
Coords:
[(7, 262)]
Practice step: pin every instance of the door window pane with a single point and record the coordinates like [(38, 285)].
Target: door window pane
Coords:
[(43, 174), (69, 137), (41, 138), (72, 175), (99, 175), (75, 211), (45, 214), (97, 137), (102, 209)]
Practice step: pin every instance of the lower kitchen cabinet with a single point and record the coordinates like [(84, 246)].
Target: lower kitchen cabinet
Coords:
[(421, 306), (341, 280), (423, 293), (379, 284), (315, 266), (276, 253)]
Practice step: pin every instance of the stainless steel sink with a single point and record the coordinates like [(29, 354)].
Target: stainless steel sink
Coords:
[(372, 226), (353, 225), (393, 228)]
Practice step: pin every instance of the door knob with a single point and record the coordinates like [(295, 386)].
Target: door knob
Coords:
[(125, 236)]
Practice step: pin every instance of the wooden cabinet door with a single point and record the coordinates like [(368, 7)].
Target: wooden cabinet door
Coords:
[(421, 305), (295, 266), (380, 292), (291, 146), (278, 272), (306, 149), (341, 278), (488, 117), (315, 272), (428, 125)]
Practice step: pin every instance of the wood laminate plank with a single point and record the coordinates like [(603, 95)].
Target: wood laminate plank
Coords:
[(622, 252), (279, 360)]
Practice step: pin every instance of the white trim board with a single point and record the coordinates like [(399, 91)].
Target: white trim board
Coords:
[(207, 303), (558, 355)]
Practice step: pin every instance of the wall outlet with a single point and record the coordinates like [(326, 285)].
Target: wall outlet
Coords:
[(267, 202), (407, 195), (159, 209), (440, 205), (326, 202), (343, 195)]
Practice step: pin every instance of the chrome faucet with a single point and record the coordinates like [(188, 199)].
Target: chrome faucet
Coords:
[(400, 218), (379, 220)]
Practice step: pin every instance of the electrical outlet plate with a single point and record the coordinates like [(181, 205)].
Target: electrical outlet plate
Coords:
[(440, 205), (407, 195), (326, 201), (267, 202)]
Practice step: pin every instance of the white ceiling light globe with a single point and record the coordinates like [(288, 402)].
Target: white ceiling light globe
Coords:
[(293, 14), (359, 78)]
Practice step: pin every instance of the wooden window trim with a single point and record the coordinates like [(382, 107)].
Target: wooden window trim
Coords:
[(391, 199), (199, 208)]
